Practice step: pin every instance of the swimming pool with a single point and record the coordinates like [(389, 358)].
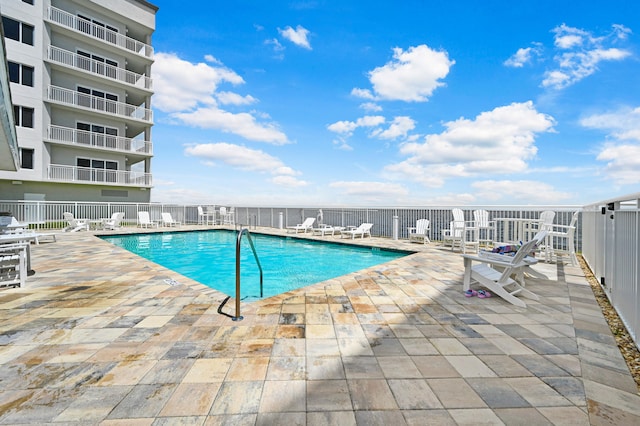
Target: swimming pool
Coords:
[(288, 263)]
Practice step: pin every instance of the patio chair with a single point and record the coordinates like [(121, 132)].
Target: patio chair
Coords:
[(144, 221), (167, 220), (561, 240), (325, 229), (305, 226), (13, 264), (420, 232), (362, 231), (73, 224), (486, 228), (114, 222), (502, 275), (461, 233)]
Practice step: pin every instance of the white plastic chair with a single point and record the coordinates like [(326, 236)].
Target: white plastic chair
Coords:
[(486, 228), (561, 240), (420, 232)]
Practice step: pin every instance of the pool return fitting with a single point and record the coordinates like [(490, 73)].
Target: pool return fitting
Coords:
[(243, 231)]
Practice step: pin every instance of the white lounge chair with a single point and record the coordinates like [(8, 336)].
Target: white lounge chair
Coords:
[(305, 226), (486, 228), (362, 231), (561, 240), (502, 275), (144, 221), (167, 220), (461, 234), (13, 264), (325, 229), (114, 222), (420, 232), (73, 224)]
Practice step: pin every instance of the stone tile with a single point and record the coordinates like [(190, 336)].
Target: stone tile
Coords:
[(319, 368), (470, 366), (428, 418), (191, 399), (537, 392), (455, 393), (331, 418), (289, 419), (434, 366), (283, 396), (328, 396), (522, 417), (497, 393), (476, 416), (237, 398), (248, 369), (565, 415), (362, 367), (143, 401), (379, 418), (208, 370), (371, 395), (397, 367), (413, 394), (449, 346)]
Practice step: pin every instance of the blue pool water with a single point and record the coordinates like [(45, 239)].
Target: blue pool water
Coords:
[(287, 263)]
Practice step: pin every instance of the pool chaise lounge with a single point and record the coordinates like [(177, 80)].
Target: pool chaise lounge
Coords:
[(364, 230), (305, 226)]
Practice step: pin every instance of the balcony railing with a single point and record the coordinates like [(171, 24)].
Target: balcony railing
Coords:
[(98, 140), (96, 103), (62, 173), (73, 60), (90, 29)]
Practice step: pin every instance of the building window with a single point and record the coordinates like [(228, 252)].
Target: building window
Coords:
[(18, 31), (97, 170), (28, 2), (23, 116), (97, 99), (98, 29), (26, 158), (21, 74), (97, 64), (93, 134)]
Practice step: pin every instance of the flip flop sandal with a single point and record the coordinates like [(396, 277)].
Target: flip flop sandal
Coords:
[(483, 294), (470, 293)]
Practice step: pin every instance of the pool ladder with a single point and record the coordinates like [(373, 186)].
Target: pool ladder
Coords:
[(243, 231)]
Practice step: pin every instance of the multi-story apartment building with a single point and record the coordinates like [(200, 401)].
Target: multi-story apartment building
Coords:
[(80, 83)]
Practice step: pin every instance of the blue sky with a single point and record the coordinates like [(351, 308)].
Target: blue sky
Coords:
[(405, 103)]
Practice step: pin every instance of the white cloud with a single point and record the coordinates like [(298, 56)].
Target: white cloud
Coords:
[(246, 159), (524, 56), (242, 124), (411, 76), (580, 52), (362, 93), (180, 85), (347, 127), (497, 141), (400, 127), (623, 124), (369, 191), (297, 36), (527, 191), (189, 93), (623, 163), (371, 106), (622, 153), (230, 98)]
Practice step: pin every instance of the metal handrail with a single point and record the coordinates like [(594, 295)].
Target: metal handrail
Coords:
[(244, 231)]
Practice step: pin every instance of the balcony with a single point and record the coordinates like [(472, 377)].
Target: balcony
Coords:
[(64, 96), (98, 32), (84, 64), (82, 138), (62, 173)]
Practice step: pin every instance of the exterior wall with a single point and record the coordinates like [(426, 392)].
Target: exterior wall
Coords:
[(71, 192), (59, 66)]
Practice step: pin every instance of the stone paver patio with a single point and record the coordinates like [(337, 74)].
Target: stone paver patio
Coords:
[(102, 336)]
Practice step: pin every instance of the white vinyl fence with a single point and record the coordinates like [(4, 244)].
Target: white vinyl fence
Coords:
[(611, 248)]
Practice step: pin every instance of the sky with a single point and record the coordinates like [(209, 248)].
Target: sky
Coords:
[(396, 103)]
